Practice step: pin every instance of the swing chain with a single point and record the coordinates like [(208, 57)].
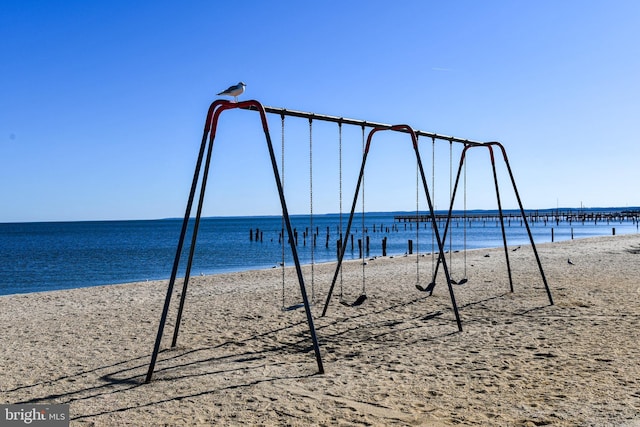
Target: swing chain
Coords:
[(417, 216), (433, 192), (465, 217), (282, 238), (312, 236), (340, 198), (363, 231)]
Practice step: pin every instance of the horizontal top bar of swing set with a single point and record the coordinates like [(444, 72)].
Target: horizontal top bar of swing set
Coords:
[(356, 122)]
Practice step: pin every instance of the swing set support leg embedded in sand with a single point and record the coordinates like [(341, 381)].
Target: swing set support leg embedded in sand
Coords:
[(217, 107)]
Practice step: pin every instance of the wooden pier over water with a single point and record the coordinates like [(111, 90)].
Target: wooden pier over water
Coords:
[(532, 216)]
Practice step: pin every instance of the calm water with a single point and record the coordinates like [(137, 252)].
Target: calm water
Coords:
[(61, 255)]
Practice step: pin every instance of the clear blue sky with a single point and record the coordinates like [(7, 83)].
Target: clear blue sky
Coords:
[(102, 103)]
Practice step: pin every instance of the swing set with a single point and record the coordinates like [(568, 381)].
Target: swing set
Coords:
[(200, 178)]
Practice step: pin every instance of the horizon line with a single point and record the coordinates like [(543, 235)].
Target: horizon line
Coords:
[(635, 209)]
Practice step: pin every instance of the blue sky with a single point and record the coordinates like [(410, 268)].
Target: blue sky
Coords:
[(102, 103)]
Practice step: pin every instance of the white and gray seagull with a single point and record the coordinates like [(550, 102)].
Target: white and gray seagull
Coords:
[(234, 91)]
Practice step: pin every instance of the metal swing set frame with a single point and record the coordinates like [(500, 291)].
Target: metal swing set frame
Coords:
[(208, 138)]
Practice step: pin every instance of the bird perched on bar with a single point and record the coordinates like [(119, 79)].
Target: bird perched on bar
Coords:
[(234, 91)]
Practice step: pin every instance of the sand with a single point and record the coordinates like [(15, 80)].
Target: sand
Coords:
[(396, 360)]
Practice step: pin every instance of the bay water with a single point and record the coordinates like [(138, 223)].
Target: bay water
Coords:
[(47, 256)]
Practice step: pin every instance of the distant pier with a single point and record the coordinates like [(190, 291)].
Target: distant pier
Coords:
[(532, 216)]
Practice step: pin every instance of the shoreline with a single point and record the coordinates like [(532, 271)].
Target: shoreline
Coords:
[(396, 360), (290, 264)]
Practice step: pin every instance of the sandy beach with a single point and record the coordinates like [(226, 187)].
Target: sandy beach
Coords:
[(398, 359)]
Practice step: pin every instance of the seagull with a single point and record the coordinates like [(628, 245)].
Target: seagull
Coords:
[(569, 262), (234, 91)]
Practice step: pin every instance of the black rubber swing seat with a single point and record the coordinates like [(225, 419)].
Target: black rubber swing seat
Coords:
[(428, 288), (293, 307), (361, 299)]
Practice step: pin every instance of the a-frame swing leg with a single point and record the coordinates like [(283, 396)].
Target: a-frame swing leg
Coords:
[(183, 233), (210, 129), (194, 238), (439, 241), (524, 218), (504, 235)]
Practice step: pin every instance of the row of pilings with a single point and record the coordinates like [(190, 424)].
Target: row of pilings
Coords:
[(406, 222)]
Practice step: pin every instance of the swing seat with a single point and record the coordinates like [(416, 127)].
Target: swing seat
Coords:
[(361, 299), (428, 288), (461, 282), (293, 307)]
